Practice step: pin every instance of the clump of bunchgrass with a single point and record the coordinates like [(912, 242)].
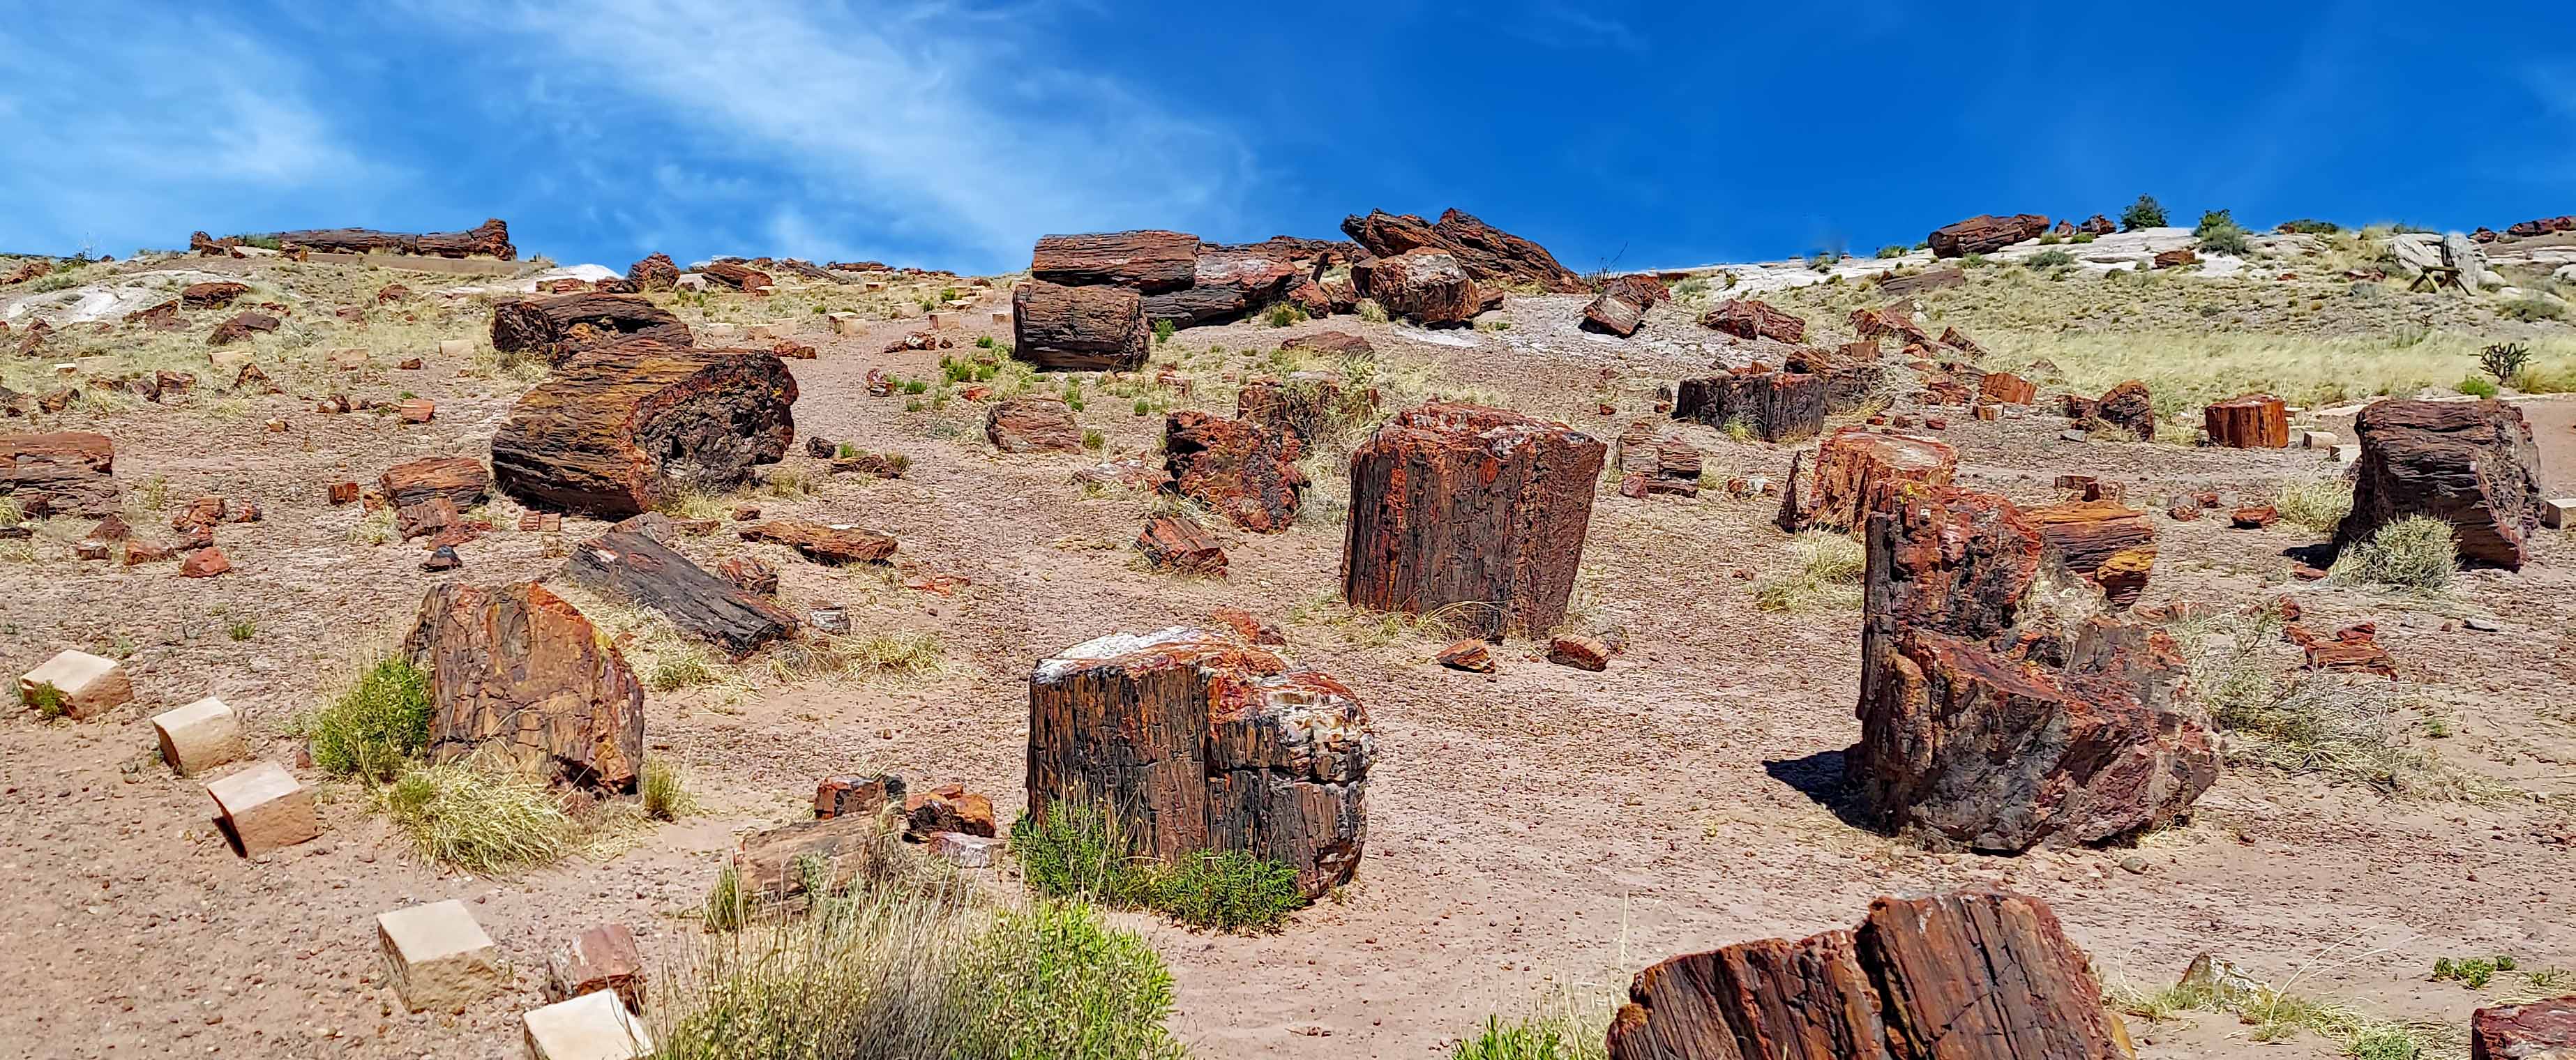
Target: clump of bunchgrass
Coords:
[(2416, 554), (2315, 504), (1076, 851), (479, 814), (1825, 572), (375, 726)]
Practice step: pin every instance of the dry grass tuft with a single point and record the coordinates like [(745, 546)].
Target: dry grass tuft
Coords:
[(2315, 504), (2416, 554), (480, 815), (1826, 573)]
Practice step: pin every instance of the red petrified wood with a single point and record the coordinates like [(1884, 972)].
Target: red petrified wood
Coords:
[(1985, 975), (2102, 541), (1195, 740), (560, 326), (2540, 1030), (2255, 421), (516, 669), (60, 473), (1987, 724), (1096, 328), (2471, 464), (1482, 509), (1775, 406), (619, 430), (1147, 261), (1240, 468), (1749, 318), (1849, 468)]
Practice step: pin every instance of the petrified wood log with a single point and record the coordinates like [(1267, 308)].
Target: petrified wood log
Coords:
[(60, 473), (654, 272), (1979, 975), (631, 564), (2471, 464), (516, 669), (2007, 388), (1242, 469), (1309, 405), (1918, 283), (1989, 725), (1488, 254), (1149, 261), (491, 239), (1194, 740), (1032, 425), (2127, 407), (1850, 468), (1622, 304), (460, 479), (1851, 372), (1171, 542), (1985, 234), (1097, 328), (1315, 254), (2539, 1030), (836, 543), (1775, 406), (1424, 286), (1896, 319), (772, 865), (1228, 286), (243, 325), (559, 326), (2255, 421), (1753, 318), (2103, 542), (1652, 462), (213, 294), (738, 276), (1477, 511), (619, 430)]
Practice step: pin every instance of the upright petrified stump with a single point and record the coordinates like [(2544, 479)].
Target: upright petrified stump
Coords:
[(61, 473), (2128, 407), (1242, 469), (1996, 713), (1775, 406), (1984, 975), (2104, 542), (559, 326), (1148, 261), (630, 564), (2255, 421), (1195, 740), (2471, 464), (516, 669), (1851, 467), (1482, 509), (618, 431), (1091, 329)]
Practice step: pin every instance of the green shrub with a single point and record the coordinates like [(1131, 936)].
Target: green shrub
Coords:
[(1821, 261), (1541, 1038), (2084, 237), (1892, 250), (665, 792), (1228, 890), (1283, 314), (481, 816), (2050, 239), (1163, 330), (48, 701), (2533, 308), (1371, 311), (244, 629), (915, 386), (1094, 440), (375, 727), (1078, 852), (2477, 386), (2219, 233), (2144, 213), (1054, 982), (2417, 553), (1972, 261), (2311, 226), (2049, 259)]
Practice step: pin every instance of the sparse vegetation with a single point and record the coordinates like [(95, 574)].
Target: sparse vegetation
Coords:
[(1372, 312), (2219, 233), (2504, 361), (2476, 387), (2144, 213), (1077, 851), (2531, 308), (2315, 504), (242, 629), (376, 726), (1537, 1038), (1825, 572), (2048, 259), (2277, 1014), (2311, 226), (479, 814), (2346, 727), (665, 792), (1892, 250), (2417, 553), (1283, 314)]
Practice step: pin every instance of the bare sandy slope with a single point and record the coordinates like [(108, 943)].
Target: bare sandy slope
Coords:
[(1537, 833)]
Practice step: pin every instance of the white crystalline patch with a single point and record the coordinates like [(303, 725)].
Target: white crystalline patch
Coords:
[(1111, 647), (586, 273), (1442, 338)]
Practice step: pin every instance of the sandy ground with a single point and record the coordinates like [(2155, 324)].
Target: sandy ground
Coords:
[(1535, 834)]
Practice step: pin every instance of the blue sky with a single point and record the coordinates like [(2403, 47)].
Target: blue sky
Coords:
[(953, 134)]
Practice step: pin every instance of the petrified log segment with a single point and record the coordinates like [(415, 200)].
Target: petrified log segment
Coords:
[(1981, 975), (1308, 405), (2128, 408), (1481, 508), (60, 473), (1488, 254), (835, 543), (516, 669), (2103, 542), (2007, 388), (1851, 372), (1775, 406), (1753, 318), (738, 276), (491, 239), (1032, 425), (1170, 542), (1097, 328), (1988, 728), (1240, 468), (460, 479), (2540, 1030), (639, 568), (653, 272), (1985, 234), (1228, 285), (2471, 464), (1623, 303), (213, 294), (1149, 261), (618, 431), (1654, 463), (560, 326), (771, 865), (1194, 740), (2255, 421), (1850, 468), (1425, 286)]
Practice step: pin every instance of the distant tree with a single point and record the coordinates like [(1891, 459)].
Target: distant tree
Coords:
[(2218, 233), (2144, 213)]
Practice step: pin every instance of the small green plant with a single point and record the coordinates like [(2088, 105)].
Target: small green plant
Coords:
[(1827, 572), (983, 342), (915, 386), (1972, 261), (2311, 226), (1371, 311), (481, 816), (1822, 261), (913, 405), (727, 906), (2085, 237), (2048, 259), (1228, 890), (1537, 1038), (1737, 429), (1892, 250), (2219, 233), (48, 701), (2315, 504), (1094, 440), (2504, 361), (2417, 553), (12, 513), (2472, 972), (1078, 852), (244, 629), (155, 492), (1283, 314), (2477, 386), (375, 727), (1054, 981), (1163, 331), (2144, 213), (2050, 239), (665, 792), (1143, 407)]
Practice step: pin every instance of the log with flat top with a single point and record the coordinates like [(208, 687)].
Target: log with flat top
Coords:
[(1095, 328), (619, 430), (559, 326)]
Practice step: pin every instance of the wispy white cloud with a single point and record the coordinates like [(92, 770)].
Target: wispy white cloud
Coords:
[(1558, 24), (906, 128), (131, 131)]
